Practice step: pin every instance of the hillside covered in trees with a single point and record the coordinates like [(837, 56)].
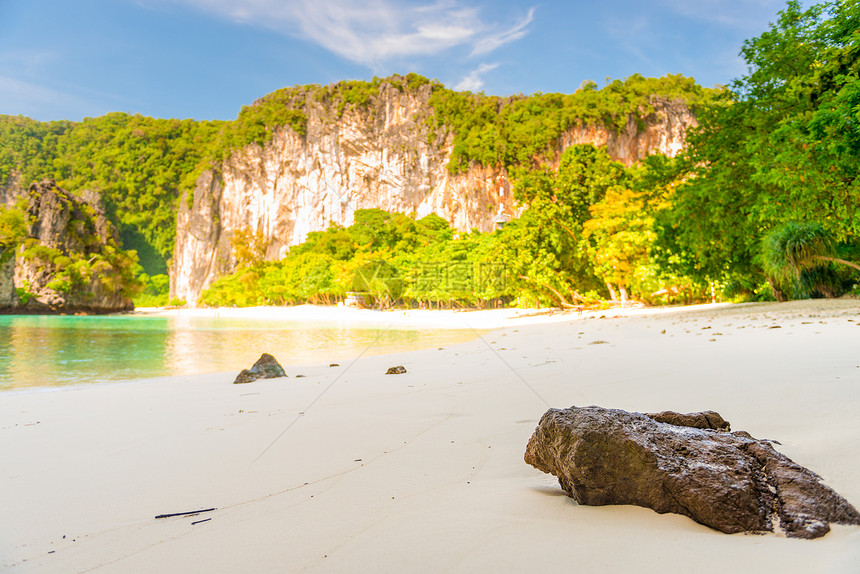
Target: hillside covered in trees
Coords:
[(762, 203)]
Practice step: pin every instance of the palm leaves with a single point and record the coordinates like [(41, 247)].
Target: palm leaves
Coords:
[(799, 256)]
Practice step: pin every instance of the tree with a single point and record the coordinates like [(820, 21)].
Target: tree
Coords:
[(799, 258), (249, 248), (546, 246), (621, 232), (780, 146), (13, 229)]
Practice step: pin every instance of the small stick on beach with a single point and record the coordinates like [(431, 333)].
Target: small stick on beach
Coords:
[(190, 512), (199, 521)]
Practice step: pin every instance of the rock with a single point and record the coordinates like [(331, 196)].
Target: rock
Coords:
[(702, 420), (70, 260), (358, 158), (334, 365), (266, 367), (398, 370), (728, 481)]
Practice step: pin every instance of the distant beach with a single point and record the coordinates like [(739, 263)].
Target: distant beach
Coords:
[(347, 469), (439, 318)]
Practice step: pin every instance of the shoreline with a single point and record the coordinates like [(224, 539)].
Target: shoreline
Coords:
[(349, 469), (417, 318)]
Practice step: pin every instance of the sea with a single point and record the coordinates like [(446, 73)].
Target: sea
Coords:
[(41, 351)]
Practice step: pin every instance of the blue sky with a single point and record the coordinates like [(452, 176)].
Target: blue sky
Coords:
[(204, 59)]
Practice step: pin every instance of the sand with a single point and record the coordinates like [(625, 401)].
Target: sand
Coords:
[(351, 470)]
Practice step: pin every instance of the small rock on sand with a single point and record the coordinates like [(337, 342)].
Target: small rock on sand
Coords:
[(266, 367)]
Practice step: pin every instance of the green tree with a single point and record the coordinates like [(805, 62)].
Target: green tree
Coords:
[(780, 146), (13, 230), (546, 246), (621, 233), (799, 260)]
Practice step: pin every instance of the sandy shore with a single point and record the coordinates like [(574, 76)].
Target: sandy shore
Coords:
[(420, 318), (351, 470)]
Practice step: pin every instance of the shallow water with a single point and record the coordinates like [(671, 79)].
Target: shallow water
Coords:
[(41, 351)]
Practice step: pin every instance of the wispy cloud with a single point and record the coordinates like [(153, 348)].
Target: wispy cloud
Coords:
[(23, 97), (33, 97), (740, 14), (493, 41), (473, 81), (373, 32), (27, 59), (635, 35)]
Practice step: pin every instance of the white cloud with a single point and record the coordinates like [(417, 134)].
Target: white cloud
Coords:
[(473, 82), (47, 100), (16, 90), (493, 41), (742, 14), (29, 99), (372, 32)]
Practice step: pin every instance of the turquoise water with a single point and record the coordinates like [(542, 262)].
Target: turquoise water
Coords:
[(40, 351)]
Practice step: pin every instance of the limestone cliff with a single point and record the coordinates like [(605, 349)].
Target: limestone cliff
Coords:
[(69, 260), (375, 157)]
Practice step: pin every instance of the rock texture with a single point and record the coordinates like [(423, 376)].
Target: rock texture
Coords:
[(64, 225), (398, 370), (728, 481), (703, 420), (381, 157), (266, 367)]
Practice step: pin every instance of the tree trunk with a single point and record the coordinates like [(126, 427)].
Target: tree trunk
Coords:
[(612, 296), (778, 294), (837, 260)]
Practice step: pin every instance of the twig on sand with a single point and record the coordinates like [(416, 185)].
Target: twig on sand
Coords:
[(199, 521)]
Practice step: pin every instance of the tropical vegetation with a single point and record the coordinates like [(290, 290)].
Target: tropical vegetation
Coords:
[(764, 202)]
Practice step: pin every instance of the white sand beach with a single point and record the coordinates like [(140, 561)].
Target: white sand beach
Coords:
[(347, 469)]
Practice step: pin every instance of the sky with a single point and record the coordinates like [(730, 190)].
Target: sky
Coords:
[(205, 59)]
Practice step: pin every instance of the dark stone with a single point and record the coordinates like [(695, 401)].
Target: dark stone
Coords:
[(728, 481), (266, 367), (398, 370), (702, 420)]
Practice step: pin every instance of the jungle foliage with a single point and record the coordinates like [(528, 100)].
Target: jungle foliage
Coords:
[(142, 166), (764, 201), (520, 130), (775, 154), (585, 236)]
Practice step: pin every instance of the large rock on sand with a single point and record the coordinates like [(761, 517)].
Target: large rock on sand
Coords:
[(728, 481), (266, 367)]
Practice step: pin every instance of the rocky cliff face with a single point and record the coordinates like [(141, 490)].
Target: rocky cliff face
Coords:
[(69, 260), (376, 158)]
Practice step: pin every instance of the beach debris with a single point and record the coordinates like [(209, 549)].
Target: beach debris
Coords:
[(398, 370), (688, 464), (334, 365), (189, 513), (266, 367)]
